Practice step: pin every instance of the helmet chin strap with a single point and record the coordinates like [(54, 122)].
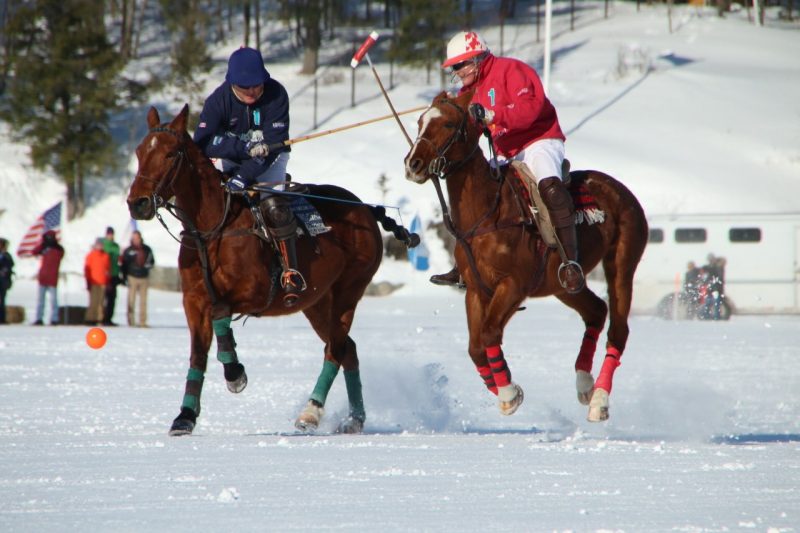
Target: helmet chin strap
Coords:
[(476, 70)]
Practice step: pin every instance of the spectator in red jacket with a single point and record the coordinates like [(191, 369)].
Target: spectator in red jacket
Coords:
[(97, 271), (509, 99), (52, 253)]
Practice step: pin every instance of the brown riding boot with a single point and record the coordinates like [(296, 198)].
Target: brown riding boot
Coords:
[(562, 215), (448, 278)]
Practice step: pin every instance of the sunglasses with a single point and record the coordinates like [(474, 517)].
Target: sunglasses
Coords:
[(459, 66)]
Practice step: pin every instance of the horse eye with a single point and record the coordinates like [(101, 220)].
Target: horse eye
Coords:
[(449, 125)]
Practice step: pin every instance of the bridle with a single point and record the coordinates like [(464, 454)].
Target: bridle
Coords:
[(177, 162), (440, 166), (161, 184)]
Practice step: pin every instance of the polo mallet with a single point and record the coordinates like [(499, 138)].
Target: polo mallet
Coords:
[(342, 128), (361, 54)]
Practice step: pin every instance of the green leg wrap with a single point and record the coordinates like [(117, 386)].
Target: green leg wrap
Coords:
[(194, 385), (352, 379), (226, 351), (324, 382)]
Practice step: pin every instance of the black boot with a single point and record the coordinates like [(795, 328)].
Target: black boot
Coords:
[(449, 278), (284, 232), (292, 280), (562, 215)]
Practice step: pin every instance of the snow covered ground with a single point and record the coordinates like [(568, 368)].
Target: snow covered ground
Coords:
[(704, 433), (703, 436)]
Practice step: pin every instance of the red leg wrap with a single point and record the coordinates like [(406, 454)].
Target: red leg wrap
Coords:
[(610, 364), (588, 347), (502, 375), (488, 378)]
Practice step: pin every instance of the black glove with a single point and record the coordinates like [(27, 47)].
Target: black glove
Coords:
[(480, 114)]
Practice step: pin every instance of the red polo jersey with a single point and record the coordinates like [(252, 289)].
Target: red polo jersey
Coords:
[(522, 112)]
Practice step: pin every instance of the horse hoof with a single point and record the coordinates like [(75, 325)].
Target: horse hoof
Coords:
[(584, 383), (510, 406), (180, 427), (309, 417), (351, 426), (239, 384), (598, 406)]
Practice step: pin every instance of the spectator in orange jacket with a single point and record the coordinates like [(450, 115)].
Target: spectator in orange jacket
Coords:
[(97, 270)]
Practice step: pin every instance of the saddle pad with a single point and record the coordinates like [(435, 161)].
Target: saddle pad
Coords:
[(308, 216), (586, 208)]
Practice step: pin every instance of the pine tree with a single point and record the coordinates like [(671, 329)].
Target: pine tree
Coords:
[(422, 32), (61, 89), (188, 24)]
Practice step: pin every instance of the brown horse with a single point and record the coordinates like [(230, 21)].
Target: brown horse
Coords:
[(226, 267), (503, 260)]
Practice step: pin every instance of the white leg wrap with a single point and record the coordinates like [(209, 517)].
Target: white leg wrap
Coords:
[(584, 383), (598, 406), (509, 398)]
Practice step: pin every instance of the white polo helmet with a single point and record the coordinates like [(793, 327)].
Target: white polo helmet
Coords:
[(464, 45)]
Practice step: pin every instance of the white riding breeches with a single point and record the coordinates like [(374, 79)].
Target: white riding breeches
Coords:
[(544, 158)]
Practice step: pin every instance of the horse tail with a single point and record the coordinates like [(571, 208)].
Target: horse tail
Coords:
[(389, 224)]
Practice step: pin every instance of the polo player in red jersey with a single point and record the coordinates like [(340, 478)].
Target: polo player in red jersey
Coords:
[(509, 99)]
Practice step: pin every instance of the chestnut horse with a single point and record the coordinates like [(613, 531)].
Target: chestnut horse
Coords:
[(503, 260), (226, 267)]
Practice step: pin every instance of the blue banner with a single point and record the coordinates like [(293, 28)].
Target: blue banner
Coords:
[(419, 255)]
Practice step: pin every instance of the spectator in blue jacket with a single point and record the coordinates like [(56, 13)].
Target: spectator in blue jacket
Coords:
[(241, 123)]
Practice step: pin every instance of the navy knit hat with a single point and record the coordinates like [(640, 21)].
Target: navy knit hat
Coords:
[(246, 68)]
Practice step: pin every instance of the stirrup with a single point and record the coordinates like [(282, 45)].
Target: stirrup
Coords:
[(562, 276), (288, 280)]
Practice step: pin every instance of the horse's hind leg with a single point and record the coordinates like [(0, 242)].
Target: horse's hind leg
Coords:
[(619, 267), (593, 311), (331, 318)]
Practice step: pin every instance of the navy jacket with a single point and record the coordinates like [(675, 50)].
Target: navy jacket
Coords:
[(226, 125)]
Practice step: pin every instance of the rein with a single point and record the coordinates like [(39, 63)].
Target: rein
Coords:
[(438, 167), (201, 238)]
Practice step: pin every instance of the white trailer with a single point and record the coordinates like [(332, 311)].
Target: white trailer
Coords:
[(762, 252)]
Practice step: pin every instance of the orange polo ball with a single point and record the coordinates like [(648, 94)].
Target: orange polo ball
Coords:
[(96, 338)]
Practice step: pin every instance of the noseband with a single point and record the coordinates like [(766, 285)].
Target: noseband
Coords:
[(174, 169)]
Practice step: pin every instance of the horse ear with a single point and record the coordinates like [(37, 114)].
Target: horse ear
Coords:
[(179, 122), (463, 100), (153, 119), (439, 97)]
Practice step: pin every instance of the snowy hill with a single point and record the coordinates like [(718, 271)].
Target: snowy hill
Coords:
[(703, 119)]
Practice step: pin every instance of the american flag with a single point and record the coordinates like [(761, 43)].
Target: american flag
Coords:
[(49, 220)]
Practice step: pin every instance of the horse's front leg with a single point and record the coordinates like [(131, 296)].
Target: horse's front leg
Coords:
[(199, 320), (235, 376), (486, 321)]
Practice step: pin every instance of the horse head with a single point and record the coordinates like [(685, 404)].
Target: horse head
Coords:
[(161, 155), (447, 136)]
